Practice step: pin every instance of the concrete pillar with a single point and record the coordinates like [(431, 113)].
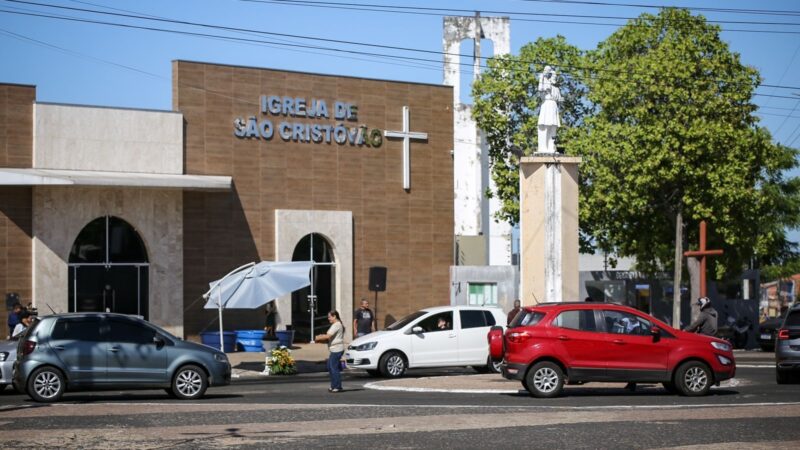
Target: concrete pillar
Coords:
[(549, 228)]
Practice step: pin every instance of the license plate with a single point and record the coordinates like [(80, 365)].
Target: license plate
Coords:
[(766, 336)]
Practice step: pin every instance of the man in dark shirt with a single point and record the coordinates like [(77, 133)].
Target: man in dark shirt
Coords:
[(513, 313), (13, 317), (363, 320)]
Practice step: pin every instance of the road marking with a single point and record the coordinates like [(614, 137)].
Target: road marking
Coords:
[(755, 366)]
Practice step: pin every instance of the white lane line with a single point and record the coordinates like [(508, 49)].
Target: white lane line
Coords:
[(755, 366)]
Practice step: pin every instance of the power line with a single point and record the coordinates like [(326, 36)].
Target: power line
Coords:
[(694, 8), (311, 38), (398, 9)]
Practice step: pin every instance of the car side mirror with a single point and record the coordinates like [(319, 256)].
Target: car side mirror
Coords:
[(417, 330), (158, 340), (656, 333)]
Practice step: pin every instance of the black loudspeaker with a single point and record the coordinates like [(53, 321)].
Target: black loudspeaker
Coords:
[(377, 279)]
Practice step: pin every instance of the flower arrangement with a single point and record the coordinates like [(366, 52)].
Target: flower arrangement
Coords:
[(280, 362)]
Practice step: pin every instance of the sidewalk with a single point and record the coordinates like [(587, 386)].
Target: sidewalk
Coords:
[(310, 358)]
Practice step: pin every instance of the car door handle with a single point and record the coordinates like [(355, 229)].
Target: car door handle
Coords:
[(113, 349), (563, 338), (452, 335), (618, 341), (59, 347)]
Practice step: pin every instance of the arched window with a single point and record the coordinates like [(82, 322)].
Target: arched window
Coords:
[(108, 269)]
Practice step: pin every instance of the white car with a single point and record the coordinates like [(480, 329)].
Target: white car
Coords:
[(443, 336)]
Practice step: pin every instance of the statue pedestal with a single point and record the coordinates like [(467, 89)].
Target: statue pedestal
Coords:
[(549, 228)]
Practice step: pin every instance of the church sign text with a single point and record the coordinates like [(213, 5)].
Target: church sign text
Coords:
[(291, 129)]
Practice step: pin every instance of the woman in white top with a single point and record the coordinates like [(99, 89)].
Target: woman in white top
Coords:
[(335, 339)]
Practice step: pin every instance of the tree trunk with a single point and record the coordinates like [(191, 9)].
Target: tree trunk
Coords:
[(676, 283), (693, 266)]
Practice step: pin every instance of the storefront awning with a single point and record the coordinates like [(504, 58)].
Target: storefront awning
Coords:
[(56, 177)]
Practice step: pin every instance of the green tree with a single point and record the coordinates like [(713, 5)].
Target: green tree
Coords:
[(506, 107), (674, 141)]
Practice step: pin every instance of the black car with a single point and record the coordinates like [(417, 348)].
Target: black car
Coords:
[(768, 331), (787, 347)]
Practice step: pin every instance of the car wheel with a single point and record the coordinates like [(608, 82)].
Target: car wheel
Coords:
[(392, 365), (3, 387), (781, 377), (767, 348), (373, 372), (189, 383), (494, 366), (693, 379), (670, 387), (46, 384), (544, 380)]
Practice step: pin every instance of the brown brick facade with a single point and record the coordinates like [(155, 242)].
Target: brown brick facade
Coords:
[(411, 232), (16, 150)]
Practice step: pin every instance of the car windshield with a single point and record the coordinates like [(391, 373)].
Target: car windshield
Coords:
[(406, 320)]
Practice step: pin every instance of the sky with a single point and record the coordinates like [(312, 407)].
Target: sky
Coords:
[(81, 62)]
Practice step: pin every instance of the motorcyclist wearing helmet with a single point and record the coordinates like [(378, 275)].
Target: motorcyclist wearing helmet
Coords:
[(706, 322)]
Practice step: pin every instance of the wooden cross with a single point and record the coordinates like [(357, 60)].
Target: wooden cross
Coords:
[(701, 255)]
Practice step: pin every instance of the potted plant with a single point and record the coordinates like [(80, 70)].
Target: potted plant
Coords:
[(280, 362)]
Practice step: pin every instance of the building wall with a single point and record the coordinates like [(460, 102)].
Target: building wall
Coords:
[(157, 216), (410, 232), (505, 277), (16, 144), (75, 137)]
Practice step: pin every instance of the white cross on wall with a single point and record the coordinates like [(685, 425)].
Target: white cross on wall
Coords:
[(406, 135)]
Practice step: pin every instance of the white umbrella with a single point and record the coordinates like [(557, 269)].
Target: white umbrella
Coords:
[(253, 285)]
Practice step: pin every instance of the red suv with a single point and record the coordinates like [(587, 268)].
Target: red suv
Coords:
[(549, 344)]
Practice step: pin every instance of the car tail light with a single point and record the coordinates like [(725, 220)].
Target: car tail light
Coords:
[(783, 333), (27, 347), (518, 337)]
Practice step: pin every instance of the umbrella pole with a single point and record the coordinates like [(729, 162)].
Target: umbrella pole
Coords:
[(219, 302)]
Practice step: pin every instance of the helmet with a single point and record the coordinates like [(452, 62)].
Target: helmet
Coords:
[(702, 302)]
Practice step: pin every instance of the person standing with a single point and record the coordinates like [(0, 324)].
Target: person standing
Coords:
[(706, 322), (269, 319), (513, 313), (335, 339), (14, 318), (364, 320)]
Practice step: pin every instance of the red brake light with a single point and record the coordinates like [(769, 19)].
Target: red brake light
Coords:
[(518, 337), (783, 333), (27, 347)]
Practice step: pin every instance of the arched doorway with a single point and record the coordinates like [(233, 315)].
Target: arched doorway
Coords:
[(310, 305), (108, 269)]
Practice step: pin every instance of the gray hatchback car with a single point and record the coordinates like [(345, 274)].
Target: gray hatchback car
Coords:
[(787, 347), (97, 351)]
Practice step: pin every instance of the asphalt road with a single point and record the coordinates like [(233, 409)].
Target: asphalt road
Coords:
[(298, 412)]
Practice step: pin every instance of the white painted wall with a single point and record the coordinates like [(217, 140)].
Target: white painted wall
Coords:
[(473, 212), (75, 137)]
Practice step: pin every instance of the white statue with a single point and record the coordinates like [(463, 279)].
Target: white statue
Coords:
[(548, 113)]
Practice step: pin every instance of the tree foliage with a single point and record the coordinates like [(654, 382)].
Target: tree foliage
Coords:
[(662, 114), (675, 131), (506, 107)]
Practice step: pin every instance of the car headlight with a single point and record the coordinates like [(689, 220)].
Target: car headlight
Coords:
[(364, 347), (221, 357), (3, 356), (721, 346)]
